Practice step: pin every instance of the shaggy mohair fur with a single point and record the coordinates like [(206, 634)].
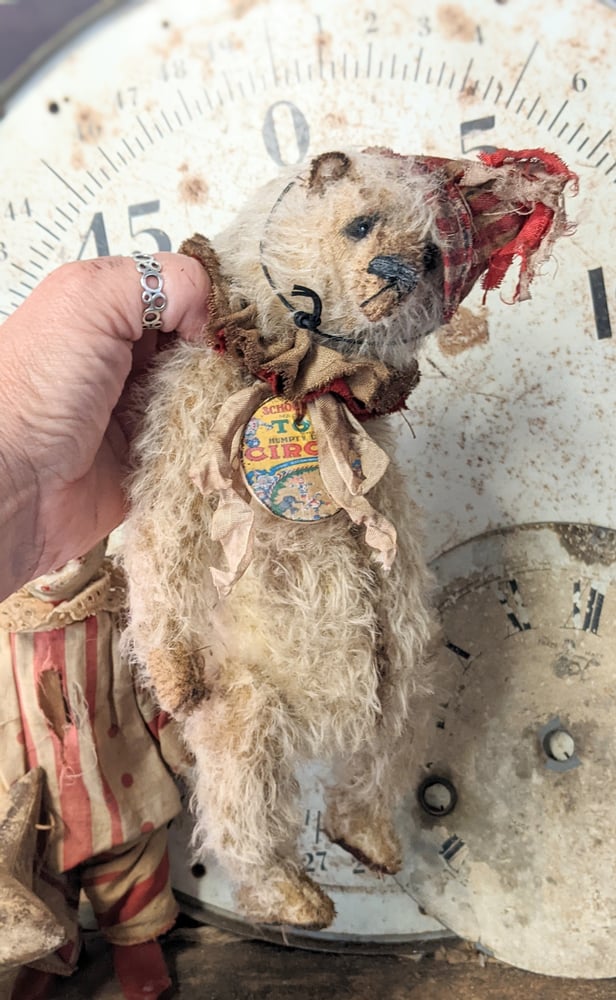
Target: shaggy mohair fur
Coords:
[(317, 652)]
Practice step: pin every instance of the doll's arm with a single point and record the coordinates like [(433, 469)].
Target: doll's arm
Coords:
[(165, 731)]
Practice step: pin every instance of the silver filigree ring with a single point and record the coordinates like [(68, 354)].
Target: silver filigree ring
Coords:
[(152, 296)]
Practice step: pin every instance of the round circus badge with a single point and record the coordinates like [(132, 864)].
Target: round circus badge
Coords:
[(280, 463)]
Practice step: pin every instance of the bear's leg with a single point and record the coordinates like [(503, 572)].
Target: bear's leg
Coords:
[(370, 783), (245, 740), (359, 813)]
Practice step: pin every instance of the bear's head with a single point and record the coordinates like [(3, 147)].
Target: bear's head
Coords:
[(369, 251), (347, 247)]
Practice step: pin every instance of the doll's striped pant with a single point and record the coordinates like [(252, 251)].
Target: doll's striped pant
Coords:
[(128, 888)]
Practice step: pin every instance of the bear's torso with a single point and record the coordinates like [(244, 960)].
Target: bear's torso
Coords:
[(326, 630)]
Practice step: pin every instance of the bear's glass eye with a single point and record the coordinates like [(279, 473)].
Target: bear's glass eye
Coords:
[(361, 227), (431, 256)]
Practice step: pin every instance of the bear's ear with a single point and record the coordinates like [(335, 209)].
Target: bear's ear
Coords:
[(325, 169)]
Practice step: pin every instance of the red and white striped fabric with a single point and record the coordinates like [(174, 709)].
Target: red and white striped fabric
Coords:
[(68, 704), (129, 890)]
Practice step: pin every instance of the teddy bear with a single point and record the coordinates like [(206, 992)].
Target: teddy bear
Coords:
[(279, 599), (78, 732)]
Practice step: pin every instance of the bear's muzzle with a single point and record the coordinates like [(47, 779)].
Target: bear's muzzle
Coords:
[(397, 272)]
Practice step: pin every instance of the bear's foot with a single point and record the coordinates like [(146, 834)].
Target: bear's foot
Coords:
[(371, 839), (285, 896)]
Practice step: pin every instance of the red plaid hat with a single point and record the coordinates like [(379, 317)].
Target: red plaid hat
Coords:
[(508, 205)]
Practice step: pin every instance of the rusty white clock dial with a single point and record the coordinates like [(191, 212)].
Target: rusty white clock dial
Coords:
[(523, 733), (159, 120)]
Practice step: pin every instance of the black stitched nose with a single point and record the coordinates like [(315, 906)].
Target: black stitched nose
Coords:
[(395, 271)]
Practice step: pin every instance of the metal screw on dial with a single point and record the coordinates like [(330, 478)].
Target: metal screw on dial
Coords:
[(560, 745), (437, 796), (561, 752)]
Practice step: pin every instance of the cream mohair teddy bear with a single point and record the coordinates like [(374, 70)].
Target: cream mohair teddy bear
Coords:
[(279, 598)]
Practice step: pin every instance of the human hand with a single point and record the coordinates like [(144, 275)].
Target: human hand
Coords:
[(65, 357)]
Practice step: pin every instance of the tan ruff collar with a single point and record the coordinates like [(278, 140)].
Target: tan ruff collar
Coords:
[(293, 365), (302, 370)]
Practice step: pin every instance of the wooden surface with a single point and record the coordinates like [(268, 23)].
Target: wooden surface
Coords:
[(208, 964)]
